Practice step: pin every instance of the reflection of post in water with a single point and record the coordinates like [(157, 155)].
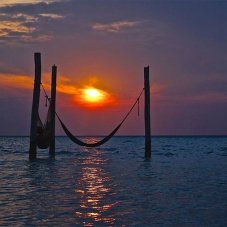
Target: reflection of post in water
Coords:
[(95, 192)]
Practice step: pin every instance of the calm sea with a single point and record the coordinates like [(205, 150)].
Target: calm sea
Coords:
[(185, 183)]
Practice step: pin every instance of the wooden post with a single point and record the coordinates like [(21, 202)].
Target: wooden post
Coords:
[(35, 107), (147, 113), (52, 107)]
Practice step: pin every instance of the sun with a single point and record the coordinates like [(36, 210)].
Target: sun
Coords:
[(94, 95)]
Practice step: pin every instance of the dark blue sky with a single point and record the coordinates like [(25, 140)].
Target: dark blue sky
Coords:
[(106, 44)]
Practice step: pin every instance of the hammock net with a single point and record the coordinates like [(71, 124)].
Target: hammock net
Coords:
[(43, 131), (79, 142)]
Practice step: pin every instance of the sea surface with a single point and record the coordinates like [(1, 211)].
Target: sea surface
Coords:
[(184, 184)]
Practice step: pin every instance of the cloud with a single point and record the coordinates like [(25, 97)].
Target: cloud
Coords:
[(7, 27), (19, 84), (19, 28), (115, 26), (51, 15), (16, 2), (20, 25), (16, 81)]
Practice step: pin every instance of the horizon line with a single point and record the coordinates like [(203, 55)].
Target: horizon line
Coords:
[(189, 135)]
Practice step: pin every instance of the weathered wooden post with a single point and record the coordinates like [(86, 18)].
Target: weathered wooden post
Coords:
[(52, 107), (35, 107), (147, 113)]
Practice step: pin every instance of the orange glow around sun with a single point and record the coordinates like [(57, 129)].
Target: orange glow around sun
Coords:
[(93, 95), (90, 96)]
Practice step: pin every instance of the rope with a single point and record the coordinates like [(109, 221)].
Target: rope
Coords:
[(138, 102), (132, 106), (125, 115), (105, 139), (46, 96)]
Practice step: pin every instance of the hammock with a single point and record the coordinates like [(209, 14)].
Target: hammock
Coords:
[(43, 132), (81, 143), (105, 139)]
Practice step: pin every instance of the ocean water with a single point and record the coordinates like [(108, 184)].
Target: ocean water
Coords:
[(184, 184)]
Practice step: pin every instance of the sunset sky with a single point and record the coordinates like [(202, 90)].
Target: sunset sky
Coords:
[(104, 45)]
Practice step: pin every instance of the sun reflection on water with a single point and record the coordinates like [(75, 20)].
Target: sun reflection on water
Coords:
[(94, 190)]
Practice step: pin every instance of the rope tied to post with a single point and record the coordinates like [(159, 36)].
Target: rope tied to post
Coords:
[(46, 96), (105, 139)]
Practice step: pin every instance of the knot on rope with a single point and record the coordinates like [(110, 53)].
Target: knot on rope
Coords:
[(46, 96)]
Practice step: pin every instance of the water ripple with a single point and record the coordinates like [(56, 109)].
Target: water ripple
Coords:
[(184, 184)]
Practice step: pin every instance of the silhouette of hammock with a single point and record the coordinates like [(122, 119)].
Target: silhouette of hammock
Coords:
[(81, 143), (102, 141), (43, 131)]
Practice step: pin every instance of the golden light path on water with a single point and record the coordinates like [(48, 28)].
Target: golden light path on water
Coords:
[(94, 190)]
